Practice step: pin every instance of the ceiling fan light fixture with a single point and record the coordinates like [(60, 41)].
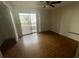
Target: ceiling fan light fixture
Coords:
[(44, 6)]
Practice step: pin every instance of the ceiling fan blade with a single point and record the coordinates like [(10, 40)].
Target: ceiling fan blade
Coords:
[(40, 4), (52, 5), (55, 2), (48, 2)]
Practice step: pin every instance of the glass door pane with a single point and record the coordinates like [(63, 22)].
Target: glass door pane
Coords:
[(33, 21), (28, 22), (26, 25)]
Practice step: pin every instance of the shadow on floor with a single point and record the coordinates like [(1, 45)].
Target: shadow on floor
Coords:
[(7, 45)]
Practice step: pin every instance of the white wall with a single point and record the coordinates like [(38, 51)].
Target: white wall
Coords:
[(55, 20), (6, 27), (42, 18), (12, 19), (66, 19), (45, 20)]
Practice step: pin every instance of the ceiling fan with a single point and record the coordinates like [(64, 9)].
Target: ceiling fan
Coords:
[(49, 3)]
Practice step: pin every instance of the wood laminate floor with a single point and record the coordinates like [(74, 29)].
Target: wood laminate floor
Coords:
[(45, 44)]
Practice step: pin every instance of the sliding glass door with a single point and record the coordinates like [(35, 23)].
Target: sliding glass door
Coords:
[(28, 23)]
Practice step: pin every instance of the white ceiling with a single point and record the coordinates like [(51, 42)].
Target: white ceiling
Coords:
[(34, 4)]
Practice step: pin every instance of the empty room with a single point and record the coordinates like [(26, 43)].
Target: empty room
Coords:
[(39, 29)]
